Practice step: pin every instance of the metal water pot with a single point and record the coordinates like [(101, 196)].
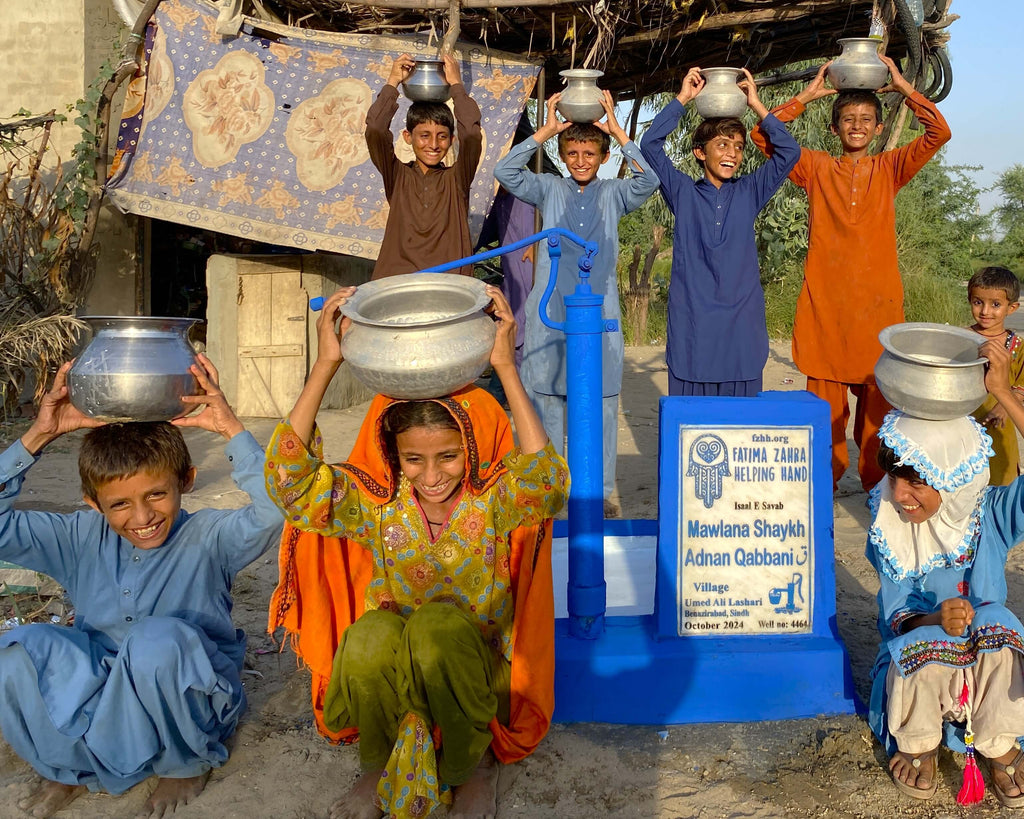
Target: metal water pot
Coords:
[(135, 368), (581, 99), (858, 66), (426, 83), (418, 335), (931, 371), (721, 96)]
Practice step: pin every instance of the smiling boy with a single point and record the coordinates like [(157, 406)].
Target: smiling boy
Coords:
[(148, 679), (590, 208), (994, 293), (428, 223), (717, 340), (852, 287)]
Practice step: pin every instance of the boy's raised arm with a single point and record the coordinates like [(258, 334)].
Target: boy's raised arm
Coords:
[(379, 139), (652, 145), (511, 171), (467, 123), (913, 156)]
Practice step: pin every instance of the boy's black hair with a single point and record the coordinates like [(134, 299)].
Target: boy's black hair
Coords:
[(855, 97), (717, 126), (584, 132), (996, 278), (436, 112), (117, 451), (889, 461), (402, 417)]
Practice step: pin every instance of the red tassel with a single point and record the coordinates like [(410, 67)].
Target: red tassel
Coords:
[(973, 789), (965, 694)]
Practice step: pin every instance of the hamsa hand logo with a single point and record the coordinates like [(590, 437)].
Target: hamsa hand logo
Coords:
[(708, 464)]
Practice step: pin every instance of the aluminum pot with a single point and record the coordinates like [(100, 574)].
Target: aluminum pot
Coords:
[(931, 371), (721, 96), (418, 335), (426, 83), (858, 65), (581, 99), (135, 368)]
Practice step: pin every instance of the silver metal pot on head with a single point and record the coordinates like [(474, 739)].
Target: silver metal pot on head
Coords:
[(418, 335), (931, 371), (426, 83), (135, 368)]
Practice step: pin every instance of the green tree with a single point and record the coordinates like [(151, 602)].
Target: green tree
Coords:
[(1009, 216)]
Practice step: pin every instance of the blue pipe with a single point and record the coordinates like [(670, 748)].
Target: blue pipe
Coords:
[(583, 327)]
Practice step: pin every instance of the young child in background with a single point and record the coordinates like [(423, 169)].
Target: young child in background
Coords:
[(591, 208), (994, 293), (950, 665), (852, 287), (717, 339), (425, 561), (428, 223), (148, 679)]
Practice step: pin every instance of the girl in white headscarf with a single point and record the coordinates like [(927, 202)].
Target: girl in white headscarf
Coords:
[(951, 664)]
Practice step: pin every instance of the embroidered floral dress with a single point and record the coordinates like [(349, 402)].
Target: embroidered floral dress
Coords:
[(972, 566), (1003, 465), (467, 564), (484, 560)]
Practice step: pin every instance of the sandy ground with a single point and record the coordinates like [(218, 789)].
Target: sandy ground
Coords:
[(281, 768)]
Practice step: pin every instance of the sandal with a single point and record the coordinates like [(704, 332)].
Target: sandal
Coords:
[(916, 761), (1009, 769)]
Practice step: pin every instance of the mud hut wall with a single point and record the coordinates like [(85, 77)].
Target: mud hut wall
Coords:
[(50, 52)]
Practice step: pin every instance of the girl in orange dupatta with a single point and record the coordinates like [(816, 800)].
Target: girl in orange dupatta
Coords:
[(416, 582)]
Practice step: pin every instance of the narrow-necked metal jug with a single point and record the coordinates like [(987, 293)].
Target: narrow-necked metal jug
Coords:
[(581, 99), (426, 83), (721, 96), (135, 368), (858, 66)]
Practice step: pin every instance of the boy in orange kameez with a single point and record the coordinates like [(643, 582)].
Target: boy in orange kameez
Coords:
[(852, 287)]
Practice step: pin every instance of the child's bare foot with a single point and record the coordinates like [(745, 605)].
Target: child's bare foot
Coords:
[(358, 802), (914, 775), (170, 794), (478, 798), (49, 798)]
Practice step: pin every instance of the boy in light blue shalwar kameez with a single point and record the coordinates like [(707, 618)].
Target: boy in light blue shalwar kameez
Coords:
[(148, 679), (591, 208)]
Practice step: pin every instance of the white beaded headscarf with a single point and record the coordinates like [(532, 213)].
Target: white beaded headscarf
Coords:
[(951, 457)]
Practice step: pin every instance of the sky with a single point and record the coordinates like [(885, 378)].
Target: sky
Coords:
[(985, 109)]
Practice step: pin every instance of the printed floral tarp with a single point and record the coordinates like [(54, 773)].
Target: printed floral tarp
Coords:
[(261, 135)]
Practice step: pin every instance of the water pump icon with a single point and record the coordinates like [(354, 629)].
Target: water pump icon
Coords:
[(792, 590)]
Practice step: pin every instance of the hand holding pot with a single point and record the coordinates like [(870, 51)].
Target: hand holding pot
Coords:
[(217, 416), (816, 88), (401, 68), (57, 415), (693, 84), (552, 126), (749, 87), (896, 80), (503, 353), (328, 336), (452, 70), (610, 125)]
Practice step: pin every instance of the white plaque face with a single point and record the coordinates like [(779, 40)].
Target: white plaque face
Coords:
[(745, 542)]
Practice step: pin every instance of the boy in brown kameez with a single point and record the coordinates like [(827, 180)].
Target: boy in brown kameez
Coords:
[(429, 219)]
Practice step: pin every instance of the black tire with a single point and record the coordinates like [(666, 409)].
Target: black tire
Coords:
[(912, 34), (947, 76)]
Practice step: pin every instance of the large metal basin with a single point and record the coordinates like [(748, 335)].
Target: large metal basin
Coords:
[(418, 335), (135, 368), (931, 371)]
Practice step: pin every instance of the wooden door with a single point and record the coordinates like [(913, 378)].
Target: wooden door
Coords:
[(272, 309)]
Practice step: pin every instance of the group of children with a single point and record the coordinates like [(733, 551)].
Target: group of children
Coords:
[(416, 577)]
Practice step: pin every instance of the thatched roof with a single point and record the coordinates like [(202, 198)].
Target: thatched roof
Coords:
[(643, 46)]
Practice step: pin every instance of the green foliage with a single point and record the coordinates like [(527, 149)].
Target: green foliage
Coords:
[(1009, 249)]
